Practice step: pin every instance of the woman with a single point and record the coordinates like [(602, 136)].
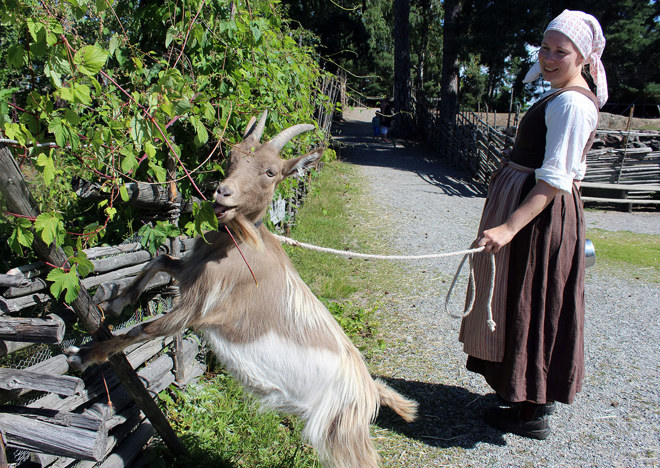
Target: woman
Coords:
[(533, 222)]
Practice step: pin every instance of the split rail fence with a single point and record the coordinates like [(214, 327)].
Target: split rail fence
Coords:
[(623, 167), (51, 416)]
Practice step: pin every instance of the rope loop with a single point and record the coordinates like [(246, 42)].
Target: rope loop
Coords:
[(471, 290)]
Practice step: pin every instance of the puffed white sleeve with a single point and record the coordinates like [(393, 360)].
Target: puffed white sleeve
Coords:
[(570, 118)]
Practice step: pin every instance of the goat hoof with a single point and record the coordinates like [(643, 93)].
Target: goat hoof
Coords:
[(76, 357)]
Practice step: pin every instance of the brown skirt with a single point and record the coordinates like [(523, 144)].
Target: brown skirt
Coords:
[(544, 337)]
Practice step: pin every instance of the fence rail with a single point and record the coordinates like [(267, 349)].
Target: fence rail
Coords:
[(473, 144)]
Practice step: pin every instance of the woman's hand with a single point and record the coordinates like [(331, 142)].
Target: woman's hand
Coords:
[(494, 239)]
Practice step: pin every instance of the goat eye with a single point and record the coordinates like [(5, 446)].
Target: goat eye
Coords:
[(270, 173)]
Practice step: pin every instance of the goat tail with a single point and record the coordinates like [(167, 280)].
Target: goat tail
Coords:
[(402, 406)]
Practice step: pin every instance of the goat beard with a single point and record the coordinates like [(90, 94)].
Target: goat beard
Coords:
[(246, 232)]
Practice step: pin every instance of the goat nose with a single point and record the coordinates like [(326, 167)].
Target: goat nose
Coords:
[(224, 191)]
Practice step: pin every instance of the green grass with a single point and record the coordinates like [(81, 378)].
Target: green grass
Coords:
[(217, 421), (630, 254), (221, 426)]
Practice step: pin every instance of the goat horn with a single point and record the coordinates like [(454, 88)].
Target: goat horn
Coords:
[(284, 136), (254, 132)]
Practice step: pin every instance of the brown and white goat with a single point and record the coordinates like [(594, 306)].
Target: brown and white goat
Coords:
[(276, 338)]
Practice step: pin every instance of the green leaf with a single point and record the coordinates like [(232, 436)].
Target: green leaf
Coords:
[(50, 227), (21, 236), (54, 76), (182, 106), (115, 43), (102, 5), (81, 94), (15, 56), (150, 149), (57, 129), (256, 33), (90, 59), (84, 265), (64, 281), (154, 236), (205, 218), (47, 167), (129, 163), (202, 134), (76, 93), (159, 172), (123, 193), (137, 130), (169, 37)]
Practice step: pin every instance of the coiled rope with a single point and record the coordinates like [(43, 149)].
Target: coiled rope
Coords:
[(467, 254)]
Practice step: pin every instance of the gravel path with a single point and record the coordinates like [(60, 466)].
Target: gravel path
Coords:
[(424, 206)]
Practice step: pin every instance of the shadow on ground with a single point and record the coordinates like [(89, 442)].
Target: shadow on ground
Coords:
[(448, 416), (355, 144)]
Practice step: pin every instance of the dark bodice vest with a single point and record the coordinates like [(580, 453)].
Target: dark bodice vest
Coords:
[(529, 147)]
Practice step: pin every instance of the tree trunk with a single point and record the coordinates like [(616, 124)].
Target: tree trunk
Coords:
[(402, 84), (450, 49)]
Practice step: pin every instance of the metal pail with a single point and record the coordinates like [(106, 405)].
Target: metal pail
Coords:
[(589, 253)]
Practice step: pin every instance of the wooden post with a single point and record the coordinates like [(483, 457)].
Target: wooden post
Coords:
[(20, 201), (179, 365), (625, 147)]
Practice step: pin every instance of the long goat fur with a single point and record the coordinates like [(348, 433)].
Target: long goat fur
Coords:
[(275, 337)]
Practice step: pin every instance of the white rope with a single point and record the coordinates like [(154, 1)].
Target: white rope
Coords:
[(471, 291), (348, 253), (466, 254)]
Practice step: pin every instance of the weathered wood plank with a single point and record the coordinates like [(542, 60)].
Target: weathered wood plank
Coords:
[(14, 305), (13, 379), (141, 195), (32, 435), (93, 420), (32, 330), (8, 347), (111, 289), (626, 201), (29, 286), (130, 448), (7, 281), (57, 365), (116, 262)]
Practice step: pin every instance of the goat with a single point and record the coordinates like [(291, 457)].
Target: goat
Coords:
[(276, 338)]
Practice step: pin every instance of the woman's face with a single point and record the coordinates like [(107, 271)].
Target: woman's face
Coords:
[(559, 58)]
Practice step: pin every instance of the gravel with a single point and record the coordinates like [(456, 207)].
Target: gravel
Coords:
[(421, 205)]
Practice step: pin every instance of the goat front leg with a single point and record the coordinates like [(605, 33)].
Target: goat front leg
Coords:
[(131, 293), (99, 351)]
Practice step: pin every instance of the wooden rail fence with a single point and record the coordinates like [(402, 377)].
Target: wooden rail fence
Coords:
[(617, 158)]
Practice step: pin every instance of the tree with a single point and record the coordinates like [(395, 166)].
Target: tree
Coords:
[(450, 65), (402, 83)]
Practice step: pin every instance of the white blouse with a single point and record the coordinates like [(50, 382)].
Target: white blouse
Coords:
[(570, 118)]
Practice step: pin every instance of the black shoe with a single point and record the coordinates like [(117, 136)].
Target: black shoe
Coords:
[(548, 408), (510, 420)]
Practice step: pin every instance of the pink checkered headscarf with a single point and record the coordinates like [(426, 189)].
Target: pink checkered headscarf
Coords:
[(585, 32)]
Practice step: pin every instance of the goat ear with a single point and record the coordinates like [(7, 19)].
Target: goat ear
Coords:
[(301, 163)]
